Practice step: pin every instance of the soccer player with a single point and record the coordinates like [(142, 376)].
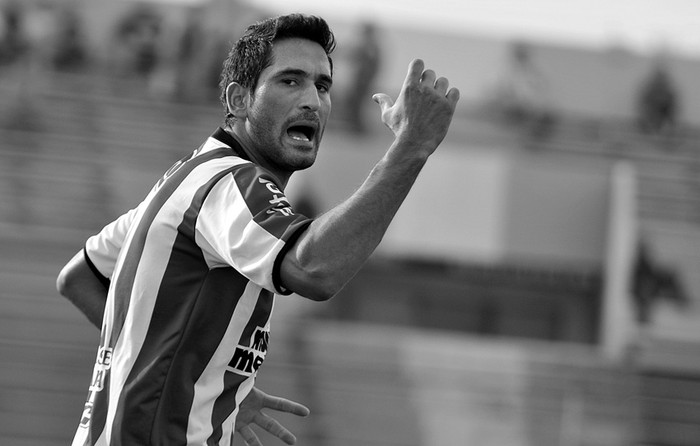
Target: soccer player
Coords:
[(183, 285)]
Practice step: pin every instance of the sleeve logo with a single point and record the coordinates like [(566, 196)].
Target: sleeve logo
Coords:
[(279, 202)]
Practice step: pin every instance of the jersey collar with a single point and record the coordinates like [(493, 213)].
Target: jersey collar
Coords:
[(226, 138)]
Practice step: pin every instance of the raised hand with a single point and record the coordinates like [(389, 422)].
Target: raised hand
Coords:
[(250, 413), (421, 115)]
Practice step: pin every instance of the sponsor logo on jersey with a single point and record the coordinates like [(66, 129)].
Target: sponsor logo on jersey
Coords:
[(279, 201), (99, 373), (248, 359)]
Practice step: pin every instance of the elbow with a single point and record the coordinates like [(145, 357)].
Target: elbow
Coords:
[(320, 294), (317, 286), (62, 283), (321, 289), (65, 281), (316, 280), (65, 284), (68, 278)]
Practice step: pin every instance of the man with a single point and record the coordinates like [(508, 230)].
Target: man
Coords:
[(183, 285)]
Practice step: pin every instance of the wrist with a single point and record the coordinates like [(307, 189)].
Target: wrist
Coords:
[(411, 149)]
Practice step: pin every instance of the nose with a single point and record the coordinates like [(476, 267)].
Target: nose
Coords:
[(310, 99)]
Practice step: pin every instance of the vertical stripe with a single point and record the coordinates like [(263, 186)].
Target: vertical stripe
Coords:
[(123, 283), (169, 384), (260, 316), (211, 383), (202, 338), (226, 403), (99, 411), (157, 395)]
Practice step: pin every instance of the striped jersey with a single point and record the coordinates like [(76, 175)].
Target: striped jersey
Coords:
[(191, 275)]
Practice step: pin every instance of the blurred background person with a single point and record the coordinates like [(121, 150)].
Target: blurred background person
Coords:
[(522, 94), (658, 102), (365, 63)]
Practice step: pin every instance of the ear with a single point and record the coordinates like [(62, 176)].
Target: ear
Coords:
[(237, 100)]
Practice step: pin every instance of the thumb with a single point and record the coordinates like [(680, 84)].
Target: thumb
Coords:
[(384, 100)]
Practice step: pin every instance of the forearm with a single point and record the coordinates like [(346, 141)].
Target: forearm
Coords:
[(337, 244)]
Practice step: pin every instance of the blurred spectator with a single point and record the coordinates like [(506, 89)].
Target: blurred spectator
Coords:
[(28, 36), (138, 32), (203, 43), (652, 283), (70, 51), (365, 59), (658, 102), (189, 44), (41, 25), (522, 97), (13, 42)]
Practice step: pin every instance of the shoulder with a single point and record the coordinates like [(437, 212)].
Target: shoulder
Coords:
[(250, 173)]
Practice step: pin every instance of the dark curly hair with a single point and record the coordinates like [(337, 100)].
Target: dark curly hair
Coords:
[(252, 53)]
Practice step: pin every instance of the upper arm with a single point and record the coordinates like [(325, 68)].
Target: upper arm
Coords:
[(102, 249), (246, 222), (84, 280)]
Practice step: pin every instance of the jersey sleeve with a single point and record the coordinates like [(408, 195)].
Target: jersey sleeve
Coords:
[(247, 222), (101, 250)]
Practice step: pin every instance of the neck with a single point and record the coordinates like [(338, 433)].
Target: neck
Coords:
[(244, 141)]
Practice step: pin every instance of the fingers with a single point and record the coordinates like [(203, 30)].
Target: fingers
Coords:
[(441, 85), (285, 405), (418, 74), (453, 97), (424, 106), (252, 407), (275, 428), (415, 71), (428, 78), (384, 100), (249, 436)]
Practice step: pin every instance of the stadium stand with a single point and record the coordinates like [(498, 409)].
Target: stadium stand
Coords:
[(91, 150)]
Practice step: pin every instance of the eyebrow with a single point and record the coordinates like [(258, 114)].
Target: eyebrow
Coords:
[(299, 72)]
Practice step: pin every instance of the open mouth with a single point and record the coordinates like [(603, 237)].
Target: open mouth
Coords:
[(302, 132)]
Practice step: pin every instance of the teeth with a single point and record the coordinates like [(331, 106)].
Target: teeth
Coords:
[(298, 136)]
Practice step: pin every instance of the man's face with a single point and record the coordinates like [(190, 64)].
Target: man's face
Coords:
[(289, 108)]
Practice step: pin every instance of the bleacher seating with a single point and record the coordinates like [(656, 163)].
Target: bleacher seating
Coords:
[(667, 166), (366, 384), (443, 388)]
